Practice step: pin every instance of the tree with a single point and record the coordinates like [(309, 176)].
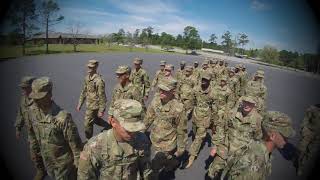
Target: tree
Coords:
[(191, 38), (49, 12), (167, 40), (227, 42), (108, 38), (136, 36), (22, 18), (121, 35), (75, 31), (213, 39), (269, 54), (179, 41), (243, 40), (129, 40)]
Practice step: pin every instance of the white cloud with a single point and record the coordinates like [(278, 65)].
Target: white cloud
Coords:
[(260, 6)]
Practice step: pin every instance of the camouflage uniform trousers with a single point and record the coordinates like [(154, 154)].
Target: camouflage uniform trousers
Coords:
[(35, 153), (199, 128), (162, 160), (91, 117)]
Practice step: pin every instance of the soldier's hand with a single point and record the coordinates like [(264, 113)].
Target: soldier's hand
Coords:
[(178, 153), (213, 151), (17, 135), (78, 108), (100, 114)]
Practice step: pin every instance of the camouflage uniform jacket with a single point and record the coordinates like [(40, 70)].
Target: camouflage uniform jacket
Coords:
[(252, 162), (204, 103), (241, 130), (159, 75), (23, 116), (223, 98), (309, 144), (103, 157), (179, 74), (185, 87), (234, 85), (218, 71), (58, 138), (130, 91), (196, 72), (169, 125), (94, 91), (140, 78)]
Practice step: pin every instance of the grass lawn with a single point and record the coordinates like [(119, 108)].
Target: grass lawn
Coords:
[(16, 51)]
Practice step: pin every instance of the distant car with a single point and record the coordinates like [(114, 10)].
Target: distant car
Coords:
[(168, 49)]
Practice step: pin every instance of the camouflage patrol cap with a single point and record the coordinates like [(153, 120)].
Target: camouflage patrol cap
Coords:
[(169, 67), (93, 63), (205, 62), (206, 75), (137, 60), (260, 73), (249, 99), (182, 63), (122, 69), (167, 84), (231, 69), (26, 81), (128, 113), (40, 88), (163, 63), (237, 66), (188, 68), (278, 121)]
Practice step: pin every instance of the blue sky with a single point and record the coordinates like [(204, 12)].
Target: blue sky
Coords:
[(285, 24)]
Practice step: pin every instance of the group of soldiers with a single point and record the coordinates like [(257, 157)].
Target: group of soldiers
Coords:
[(144, 142)]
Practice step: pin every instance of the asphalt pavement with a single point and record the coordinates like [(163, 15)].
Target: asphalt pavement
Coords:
[(288, 91)]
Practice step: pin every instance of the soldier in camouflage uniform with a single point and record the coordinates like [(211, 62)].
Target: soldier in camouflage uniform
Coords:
[(257, 89), (196, 70), (309, 144), (167, 118), (243, 125), (202, 114), (57, 134), (253, 161), (234, 84), (180, 72), (93, 92), (125, 89), (185, 89), (219, 69), (121, 152), (140, 78), (243, 76), (24, 119), (159, 74)]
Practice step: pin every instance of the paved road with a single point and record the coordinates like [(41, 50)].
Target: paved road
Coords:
[(289, 92)]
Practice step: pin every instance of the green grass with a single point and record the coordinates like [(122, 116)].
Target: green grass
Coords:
[(16, 51)]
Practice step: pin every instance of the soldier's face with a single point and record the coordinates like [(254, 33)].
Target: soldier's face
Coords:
[(122, 78), (196, 65), (182, 66), (220, 63), (162, 67), (137, 65), (165, 95), (231, 74), (205, 83), (92, 70), (205, 66), (188, 73), (278, 140), (247, 107), (26, 91), (122, 133), (44, 102), (237, 70), (167, 72), (223, 83)]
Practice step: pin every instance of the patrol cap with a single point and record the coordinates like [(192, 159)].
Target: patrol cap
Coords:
[(237, 66), (167, 84), (182, 63), (223, 78), (206, 75), (231, 69), (278, 121), (26, 81), (188, 68), (128, 113), (93, 63), (249, 99), (163, 63), (122, 69), (260, 73), (169, 67), (205, 62), (40, 87), (137, 60)]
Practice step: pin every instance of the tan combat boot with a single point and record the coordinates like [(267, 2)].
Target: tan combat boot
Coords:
[(190, 161)]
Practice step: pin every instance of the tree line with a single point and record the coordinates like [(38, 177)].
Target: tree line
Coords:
[(26, 17)]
